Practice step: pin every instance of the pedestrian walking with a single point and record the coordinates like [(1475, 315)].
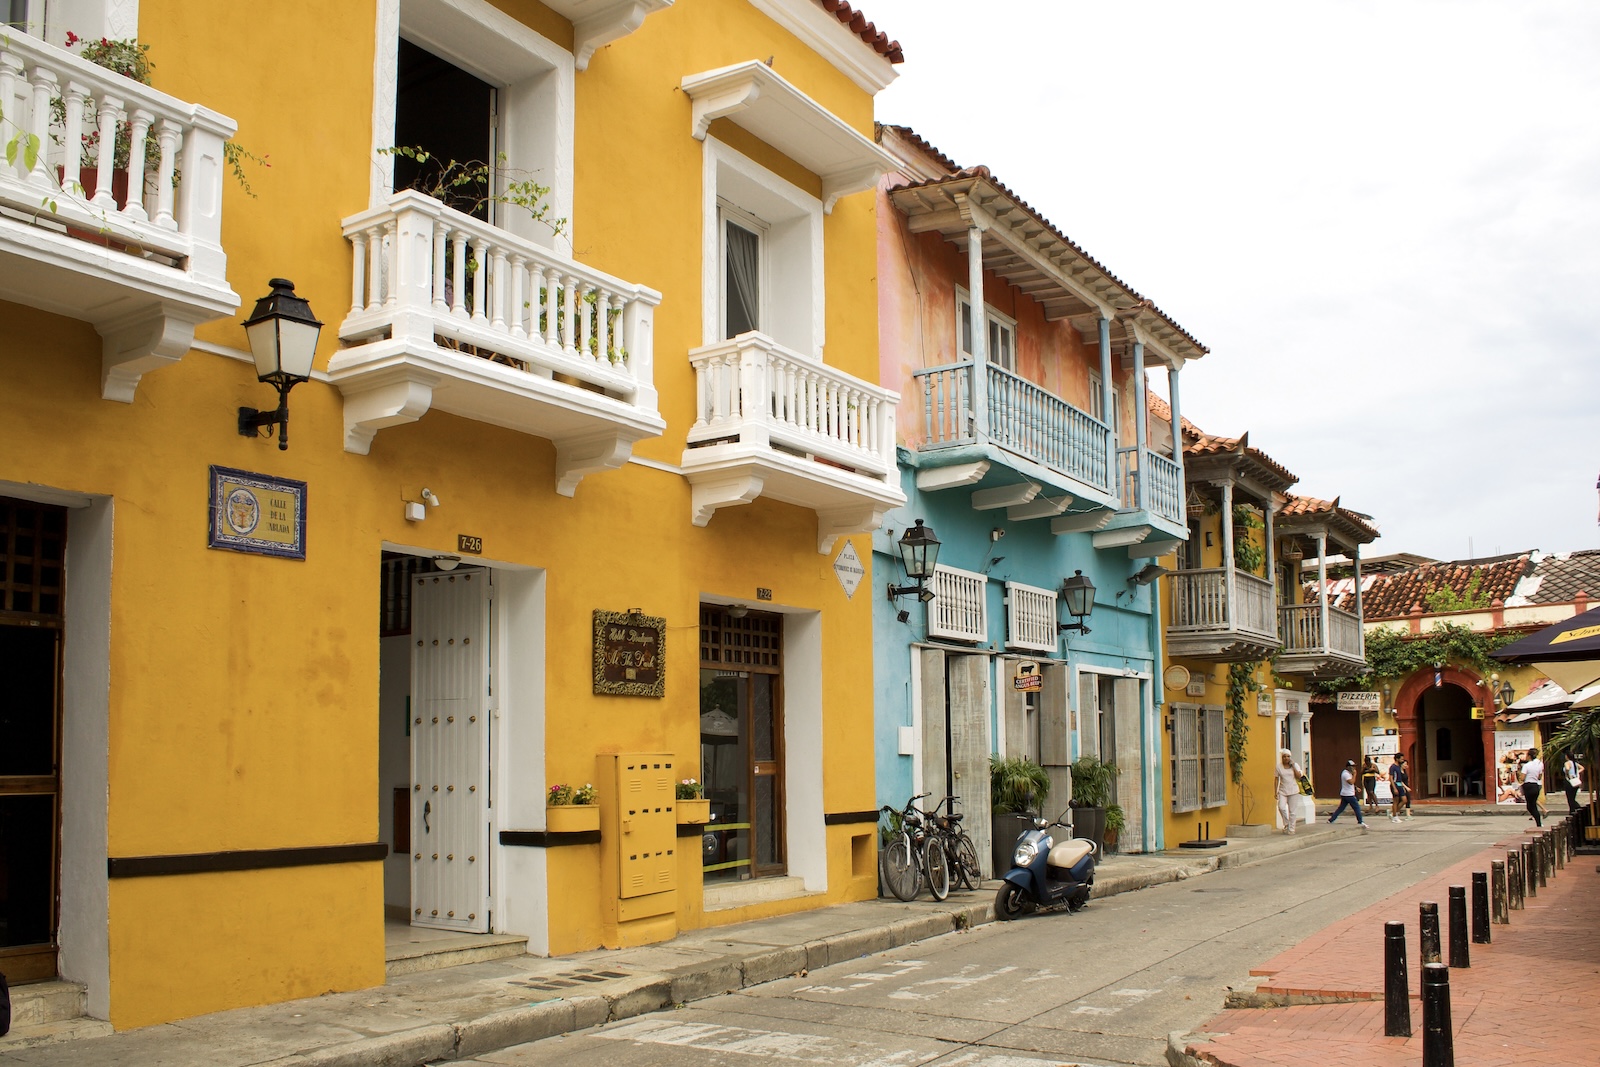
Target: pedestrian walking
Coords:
[(1405, 767), (1572, 779), (1532, 784), (1369, 781), (1399, 788), (1286, 787), (1347, 796)]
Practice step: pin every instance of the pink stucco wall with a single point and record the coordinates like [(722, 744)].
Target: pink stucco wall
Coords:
[(917, 279)]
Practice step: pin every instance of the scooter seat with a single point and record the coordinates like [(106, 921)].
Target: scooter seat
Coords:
[(1069, 852)]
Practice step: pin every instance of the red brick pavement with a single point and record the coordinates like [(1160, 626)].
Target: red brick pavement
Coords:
[(1531, 996)]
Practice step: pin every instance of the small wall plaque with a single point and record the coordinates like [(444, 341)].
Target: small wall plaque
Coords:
[(629, 654), (257, 513), (469, 543)]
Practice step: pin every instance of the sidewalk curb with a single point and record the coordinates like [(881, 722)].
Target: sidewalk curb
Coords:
[(655, 990), (1178, 1054)]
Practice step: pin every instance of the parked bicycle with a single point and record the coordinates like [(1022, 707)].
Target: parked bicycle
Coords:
[(914, 853), (961, 855)]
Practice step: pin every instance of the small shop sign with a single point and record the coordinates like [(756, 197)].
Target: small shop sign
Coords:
[(1353, 701), (629, 654), (257, 513), (848, 569), (1028, 679)]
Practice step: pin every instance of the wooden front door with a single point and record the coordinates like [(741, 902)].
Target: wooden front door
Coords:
[(741, 743), (33, 542)]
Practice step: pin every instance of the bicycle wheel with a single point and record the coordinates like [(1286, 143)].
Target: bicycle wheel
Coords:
[(897, 867), (938, 866), (967, 861)]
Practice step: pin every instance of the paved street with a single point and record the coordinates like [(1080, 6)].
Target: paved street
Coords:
[(1102, 987)]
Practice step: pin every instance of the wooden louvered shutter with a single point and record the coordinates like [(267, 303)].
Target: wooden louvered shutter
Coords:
[(1215, 776), (1185, 757)]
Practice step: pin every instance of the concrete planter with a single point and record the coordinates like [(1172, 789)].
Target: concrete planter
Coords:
[(571, 818)]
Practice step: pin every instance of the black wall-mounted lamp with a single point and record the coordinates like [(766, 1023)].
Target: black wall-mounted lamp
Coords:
[(1078, 593), (919, 553), (283, 339)]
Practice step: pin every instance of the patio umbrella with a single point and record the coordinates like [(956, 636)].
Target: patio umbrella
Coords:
[(1568, 652), (1551, 697)]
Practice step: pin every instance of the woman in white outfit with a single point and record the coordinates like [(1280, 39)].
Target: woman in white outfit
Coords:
[(1286, 786)]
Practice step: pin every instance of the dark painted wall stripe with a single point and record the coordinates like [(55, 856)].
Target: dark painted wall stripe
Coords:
[(258, 859), (845, 818), (548, 839)]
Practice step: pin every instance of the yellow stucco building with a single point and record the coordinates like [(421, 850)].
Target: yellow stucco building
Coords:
[(570, 504), (1243, 637)]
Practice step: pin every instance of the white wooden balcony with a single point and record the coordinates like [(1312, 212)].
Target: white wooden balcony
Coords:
[(1161, 488), (771, 422), (1318, 645), (450, 313), (134, 251), (1222, 616), (1024, 419)]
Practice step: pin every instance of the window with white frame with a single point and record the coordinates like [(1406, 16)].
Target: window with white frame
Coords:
[(959, 609), (762, 265), (1002, 349), (743, 270), (522, 109), (1030, 617), (1097, 405), (1199, 756)]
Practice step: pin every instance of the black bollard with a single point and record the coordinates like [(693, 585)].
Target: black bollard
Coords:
[(1497, 888), (1480, 907), (1396, 984), (1429, 933), (1459, 952), (1560, 841), (1541, 852), (1530, 874), (1438, 1040), (1514, 878)]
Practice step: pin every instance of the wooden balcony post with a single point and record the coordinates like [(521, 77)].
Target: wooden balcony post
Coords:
[(1140, 424), (1322, 584), (1229, 582), (980, 333), (1361, 630), (1177, 436)]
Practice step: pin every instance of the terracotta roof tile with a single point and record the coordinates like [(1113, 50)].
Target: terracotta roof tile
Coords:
[(921, 143), (1162, 410), (1204, 444), (1297, 506), (857, 23), (1391, 596)]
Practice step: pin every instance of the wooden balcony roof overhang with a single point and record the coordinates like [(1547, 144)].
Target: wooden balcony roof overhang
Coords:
[(1307, 516), (1209, 460), (1026, 249)]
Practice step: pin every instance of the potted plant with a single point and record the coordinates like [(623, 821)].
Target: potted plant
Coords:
[(1017, 790), (693, 807), (571, 809), (1092, 778), (1115, 821)]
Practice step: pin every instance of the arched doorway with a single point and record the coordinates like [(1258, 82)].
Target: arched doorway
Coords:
[(1438, 733)]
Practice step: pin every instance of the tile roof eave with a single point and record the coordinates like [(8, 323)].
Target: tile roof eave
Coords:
[(972, 176), (854, 20)]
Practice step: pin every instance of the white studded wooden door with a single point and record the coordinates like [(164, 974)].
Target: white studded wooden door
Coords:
[(450, 751)]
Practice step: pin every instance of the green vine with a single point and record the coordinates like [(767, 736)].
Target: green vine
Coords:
[(1247, 554), (1472, 597), (1242, 685), (1392, 655)]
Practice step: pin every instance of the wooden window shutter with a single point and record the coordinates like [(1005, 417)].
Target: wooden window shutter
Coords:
[(1088, 719), (1185, 757), (1215, 744)]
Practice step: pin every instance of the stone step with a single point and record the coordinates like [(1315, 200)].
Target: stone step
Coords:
[(437, 954), (753, 891), (79, 1029), (36, 1003)]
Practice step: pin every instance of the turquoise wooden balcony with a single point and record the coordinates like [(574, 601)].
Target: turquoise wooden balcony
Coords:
[(1024, 420)]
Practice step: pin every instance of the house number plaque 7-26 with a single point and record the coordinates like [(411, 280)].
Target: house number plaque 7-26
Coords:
[(468, 543)]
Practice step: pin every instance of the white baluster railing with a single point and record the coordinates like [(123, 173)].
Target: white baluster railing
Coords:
[(431, 274), (753, 390), (133, 168)]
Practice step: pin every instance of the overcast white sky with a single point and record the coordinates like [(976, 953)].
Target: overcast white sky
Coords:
[(1383, 218)]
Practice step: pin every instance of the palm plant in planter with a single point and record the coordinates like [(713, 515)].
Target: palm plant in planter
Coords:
[(1092, 779), (1017, 788), (1116, 819)]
